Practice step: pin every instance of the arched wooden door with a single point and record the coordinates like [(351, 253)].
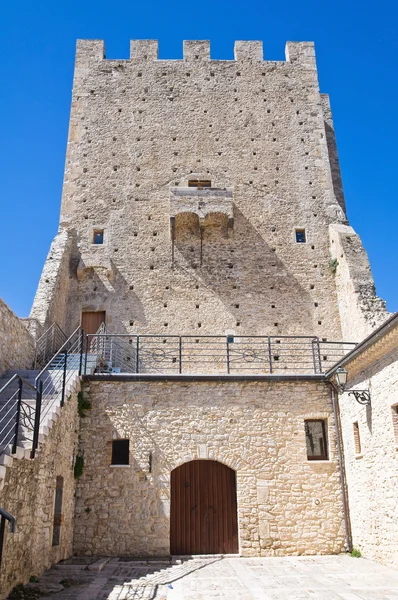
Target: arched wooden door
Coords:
[(203, 515)]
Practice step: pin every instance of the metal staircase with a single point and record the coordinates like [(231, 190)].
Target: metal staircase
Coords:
[(31, 399)]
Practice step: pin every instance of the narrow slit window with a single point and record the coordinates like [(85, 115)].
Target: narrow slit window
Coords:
[(300, 236), (59, 488), (98, 236), (316, 439), (394, 410), (120, 452), (199, 183), (357, 438)]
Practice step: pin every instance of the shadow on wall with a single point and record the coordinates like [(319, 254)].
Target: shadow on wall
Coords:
[(100, 289), (245, 273)]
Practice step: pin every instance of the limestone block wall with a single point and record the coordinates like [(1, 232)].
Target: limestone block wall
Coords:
[(361, 311), (286, 504), (51, 299), (372, 472), (17, 348), (29, 493), (141, 128)]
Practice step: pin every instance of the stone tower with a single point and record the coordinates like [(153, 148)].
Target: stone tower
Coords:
[(204, 196)]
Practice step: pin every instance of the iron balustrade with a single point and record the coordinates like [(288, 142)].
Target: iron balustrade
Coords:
[(5, 516), (206, 354), (48, 344), (26, 408)]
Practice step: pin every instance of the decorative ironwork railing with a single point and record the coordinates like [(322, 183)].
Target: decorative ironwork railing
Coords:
[(231, 355)]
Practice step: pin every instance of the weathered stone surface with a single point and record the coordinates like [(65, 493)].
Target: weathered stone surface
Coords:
[(286, 504), (29, 493), (372, 473), (140, 129), (17, 350)]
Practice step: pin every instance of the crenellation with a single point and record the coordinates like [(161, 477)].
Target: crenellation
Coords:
[(143, 50), (248, 51), (301, 53), (196, 50)]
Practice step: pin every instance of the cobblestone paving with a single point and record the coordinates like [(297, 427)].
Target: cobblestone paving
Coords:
[(226, 578)]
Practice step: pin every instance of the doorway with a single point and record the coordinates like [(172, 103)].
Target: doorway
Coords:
[(203, 512), (92, 320)]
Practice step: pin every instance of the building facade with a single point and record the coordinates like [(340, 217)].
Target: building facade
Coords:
[(205, 251)]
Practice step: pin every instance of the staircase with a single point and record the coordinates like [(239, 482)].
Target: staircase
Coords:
[(53, 396), (31, 400)]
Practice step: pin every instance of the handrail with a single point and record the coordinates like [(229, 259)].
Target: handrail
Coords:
[(16, 376), (57, 354), (48, 343), (49, 329), (10, 518), (4, 515), (218, 354)]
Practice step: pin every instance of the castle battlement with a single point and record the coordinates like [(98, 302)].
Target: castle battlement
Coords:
[(298, 53)]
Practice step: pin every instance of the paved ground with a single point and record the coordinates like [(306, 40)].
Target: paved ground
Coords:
[(225, 578)]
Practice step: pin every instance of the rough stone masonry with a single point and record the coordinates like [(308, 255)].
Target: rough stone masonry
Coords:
[(183, 260)]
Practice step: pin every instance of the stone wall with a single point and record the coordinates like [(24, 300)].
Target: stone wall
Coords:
[(286, 504), (361, 311), (140, 129), (17, 347), (51, 299), (372, 473), (28, 494)]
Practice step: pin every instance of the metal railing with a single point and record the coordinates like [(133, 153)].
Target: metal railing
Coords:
[(188, 354), (18, 400), (5, 516), (48, 344), (58, 372), (25, 408)]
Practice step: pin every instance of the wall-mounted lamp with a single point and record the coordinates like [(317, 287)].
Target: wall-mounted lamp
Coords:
[(361, 396)]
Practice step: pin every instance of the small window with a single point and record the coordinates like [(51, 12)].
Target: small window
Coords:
[(357, 438), (58, 511), (316, 440), (199, 183), (98, 237), (120, 452), (300, 236), (394, 410)]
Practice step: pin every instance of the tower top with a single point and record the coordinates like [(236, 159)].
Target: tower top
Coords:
[(302, 53)]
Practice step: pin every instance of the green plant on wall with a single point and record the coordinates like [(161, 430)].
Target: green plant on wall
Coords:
[(82, 404), (79, 467), (355, 553), (333, 262)]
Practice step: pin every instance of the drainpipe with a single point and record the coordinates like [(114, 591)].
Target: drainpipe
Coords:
[(336, 413)]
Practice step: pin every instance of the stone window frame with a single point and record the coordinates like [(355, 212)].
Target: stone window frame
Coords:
[(300, 228), (94, 230), (326, 458)]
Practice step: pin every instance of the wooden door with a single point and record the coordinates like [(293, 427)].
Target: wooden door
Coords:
[(92, 320), (203, 514)]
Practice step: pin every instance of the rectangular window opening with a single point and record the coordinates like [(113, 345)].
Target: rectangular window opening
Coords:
[(58, 511), (394, 410), (300, 236), (199, 183), (120, 452), (98, 236), (316, 439), (357, 438)]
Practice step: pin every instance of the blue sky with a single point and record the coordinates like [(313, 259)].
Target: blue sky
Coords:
[(356, 45)]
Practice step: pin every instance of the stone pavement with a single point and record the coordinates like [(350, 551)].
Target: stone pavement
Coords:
[(224, 578)]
